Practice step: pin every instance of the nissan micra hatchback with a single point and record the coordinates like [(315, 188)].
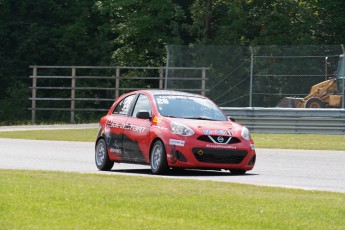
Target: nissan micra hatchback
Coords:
[(171, 129)]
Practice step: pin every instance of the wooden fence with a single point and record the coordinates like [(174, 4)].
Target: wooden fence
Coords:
[(162, 78)]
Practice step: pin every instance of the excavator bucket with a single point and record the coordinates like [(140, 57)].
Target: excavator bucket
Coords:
[(289, 102)]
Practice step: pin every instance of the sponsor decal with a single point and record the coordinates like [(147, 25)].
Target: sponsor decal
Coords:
[(162, 101), (116, 149), (252, 147), (159, 127), (207, 132), (114, 124), (135, 128), (221, 146), (217, 132), (157, 119), (172, 97), (220, 132), (176, 142)]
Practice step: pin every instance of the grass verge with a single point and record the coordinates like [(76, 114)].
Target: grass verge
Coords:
[(53, 200), (283, 141), (299, 141), (86, 135)]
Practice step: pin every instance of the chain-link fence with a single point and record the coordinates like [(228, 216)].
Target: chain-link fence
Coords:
[(240, 76)]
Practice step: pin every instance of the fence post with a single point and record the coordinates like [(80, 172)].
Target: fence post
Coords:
[(117, 82), (161, 77), (343, 80), (73, 94), (203, 81), (251, 76), (166, 68), (33, 100)]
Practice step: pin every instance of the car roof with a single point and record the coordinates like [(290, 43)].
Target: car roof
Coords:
[(156, 92)]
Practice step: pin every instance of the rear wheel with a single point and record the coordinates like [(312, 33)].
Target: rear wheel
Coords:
[(237, 171), (314, 103), (101, 156), (158, 159)]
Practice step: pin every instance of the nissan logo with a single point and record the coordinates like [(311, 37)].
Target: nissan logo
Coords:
[(220, 139)]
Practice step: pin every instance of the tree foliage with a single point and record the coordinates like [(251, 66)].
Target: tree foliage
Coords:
[(142, 29), (135, 32), (330, 21), (46, 32)]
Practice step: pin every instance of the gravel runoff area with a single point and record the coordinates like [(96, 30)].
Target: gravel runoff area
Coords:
[(47, 127)]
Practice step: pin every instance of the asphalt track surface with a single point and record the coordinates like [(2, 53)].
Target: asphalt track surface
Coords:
[(302, 169)]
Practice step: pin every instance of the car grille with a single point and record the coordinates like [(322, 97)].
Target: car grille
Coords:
[(219, 139), (220, 156)]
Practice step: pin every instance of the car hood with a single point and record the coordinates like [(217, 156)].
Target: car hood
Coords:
[(211, 127)]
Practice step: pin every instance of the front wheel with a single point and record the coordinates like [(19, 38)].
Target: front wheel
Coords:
[(101, 156), (158, 159)]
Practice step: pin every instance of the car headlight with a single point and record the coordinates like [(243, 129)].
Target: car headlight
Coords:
[(245, 133), (180, 129)]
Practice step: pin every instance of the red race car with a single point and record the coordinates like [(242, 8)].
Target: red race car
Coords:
[(170, 129)]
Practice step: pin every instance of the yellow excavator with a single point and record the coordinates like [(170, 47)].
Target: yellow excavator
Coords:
[(326, 94)]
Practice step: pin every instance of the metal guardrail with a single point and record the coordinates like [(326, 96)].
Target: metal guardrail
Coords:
[(289, 120)]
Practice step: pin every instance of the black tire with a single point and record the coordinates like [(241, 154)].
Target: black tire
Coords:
[(158, 158), (237, 171), (314, 103), (101, 156)]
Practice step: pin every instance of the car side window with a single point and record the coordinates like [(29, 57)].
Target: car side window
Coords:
[(143, 104), (122, 108)]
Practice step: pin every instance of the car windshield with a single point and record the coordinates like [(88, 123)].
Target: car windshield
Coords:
[(188, 107)]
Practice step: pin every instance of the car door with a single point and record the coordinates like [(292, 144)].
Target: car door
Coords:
[(116, 126), (135, 141)]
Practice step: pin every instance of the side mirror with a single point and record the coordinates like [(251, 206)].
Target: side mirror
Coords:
[(231, 118), (143, 115)]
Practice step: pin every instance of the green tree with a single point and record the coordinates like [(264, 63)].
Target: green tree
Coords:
[(218, 22), (330, 23), (255, 22), (142, 29), (280, 22), (46, 32)]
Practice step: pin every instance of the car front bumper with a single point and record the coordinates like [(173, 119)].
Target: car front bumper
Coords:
[(206, 156)]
